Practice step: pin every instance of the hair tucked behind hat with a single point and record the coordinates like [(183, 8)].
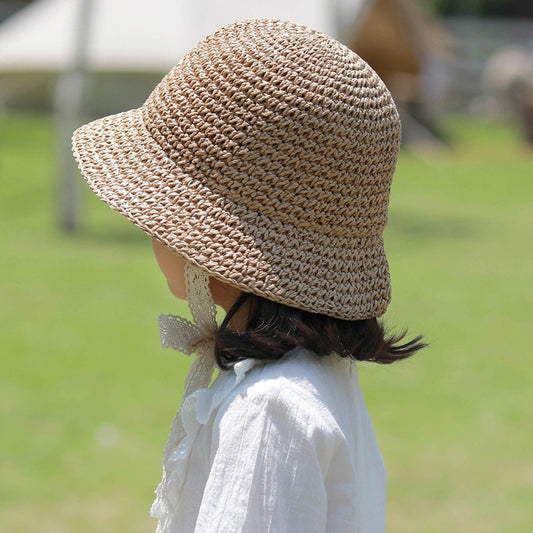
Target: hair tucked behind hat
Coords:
[(271, 330)]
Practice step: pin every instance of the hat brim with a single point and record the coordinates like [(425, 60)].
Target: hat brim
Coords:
[(127, 169)]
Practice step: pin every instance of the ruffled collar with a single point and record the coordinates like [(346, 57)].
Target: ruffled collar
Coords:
[(195, 412)]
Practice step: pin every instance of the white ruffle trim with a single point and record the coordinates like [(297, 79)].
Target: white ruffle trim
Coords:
[(195, 412)]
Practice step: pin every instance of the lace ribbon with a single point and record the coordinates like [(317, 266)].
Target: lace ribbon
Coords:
[(189, 337)]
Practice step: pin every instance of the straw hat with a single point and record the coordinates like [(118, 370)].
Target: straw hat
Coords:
[(265, 157)]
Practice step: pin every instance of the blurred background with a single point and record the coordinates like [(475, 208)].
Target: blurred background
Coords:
[(87, 396)]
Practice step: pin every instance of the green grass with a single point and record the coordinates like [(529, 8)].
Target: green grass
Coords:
[(86, 395)]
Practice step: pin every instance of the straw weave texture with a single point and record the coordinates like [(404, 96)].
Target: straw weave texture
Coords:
[(265, 157)]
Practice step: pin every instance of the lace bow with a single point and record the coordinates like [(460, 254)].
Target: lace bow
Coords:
[(197, 336)]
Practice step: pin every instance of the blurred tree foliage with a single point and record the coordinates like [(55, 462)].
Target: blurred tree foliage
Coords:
[(502, 8)]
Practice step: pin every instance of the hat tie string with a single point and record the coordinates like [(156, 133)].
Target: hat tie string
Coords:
[(196, 337)]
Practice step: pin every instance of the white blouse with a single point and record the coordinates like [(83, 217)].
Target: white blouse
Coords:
[(283, 446)]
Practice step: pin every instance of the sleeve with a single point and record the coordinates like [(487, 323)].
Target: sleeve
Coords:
[(269, 458)]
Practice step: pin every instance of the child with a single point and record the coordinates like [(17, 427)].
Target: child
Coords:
[(261, 167)]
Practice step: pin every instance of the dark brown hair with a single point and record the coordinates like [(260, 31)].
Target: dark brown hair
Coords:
[(272, 329)]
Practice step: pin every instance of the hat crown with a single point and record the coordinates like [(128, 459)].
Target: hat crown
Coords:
[(284, 120)]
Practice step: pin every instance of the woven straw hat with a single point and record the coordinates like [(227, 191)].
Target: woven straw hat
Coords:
[(265, 157)]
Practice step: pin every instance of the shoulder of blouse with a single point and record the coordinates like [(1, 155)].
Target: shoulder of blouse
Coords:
[(301, 388)]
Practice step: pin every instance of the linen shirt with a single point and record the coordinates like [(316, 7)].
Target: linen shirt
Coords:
[(283, 446)]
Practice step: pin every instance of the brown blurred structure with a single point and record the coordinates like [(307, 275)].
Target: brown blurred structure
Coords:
[(400, 40), (409, 49)]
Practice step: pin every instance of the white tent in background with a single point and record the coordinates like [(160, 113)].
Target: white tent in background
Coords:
[(140, 35), (129, 37)]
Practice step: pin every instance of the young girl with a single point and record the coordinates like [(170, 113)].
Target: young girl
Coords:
[(261, 167)]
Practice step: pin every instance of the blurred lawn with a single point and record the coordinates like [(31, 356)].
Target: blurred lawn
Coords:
[(86, 395)]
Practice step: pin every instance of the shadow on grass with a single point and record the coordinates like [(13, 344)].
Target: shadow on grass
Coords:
[(124, 236), (430, 228)]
